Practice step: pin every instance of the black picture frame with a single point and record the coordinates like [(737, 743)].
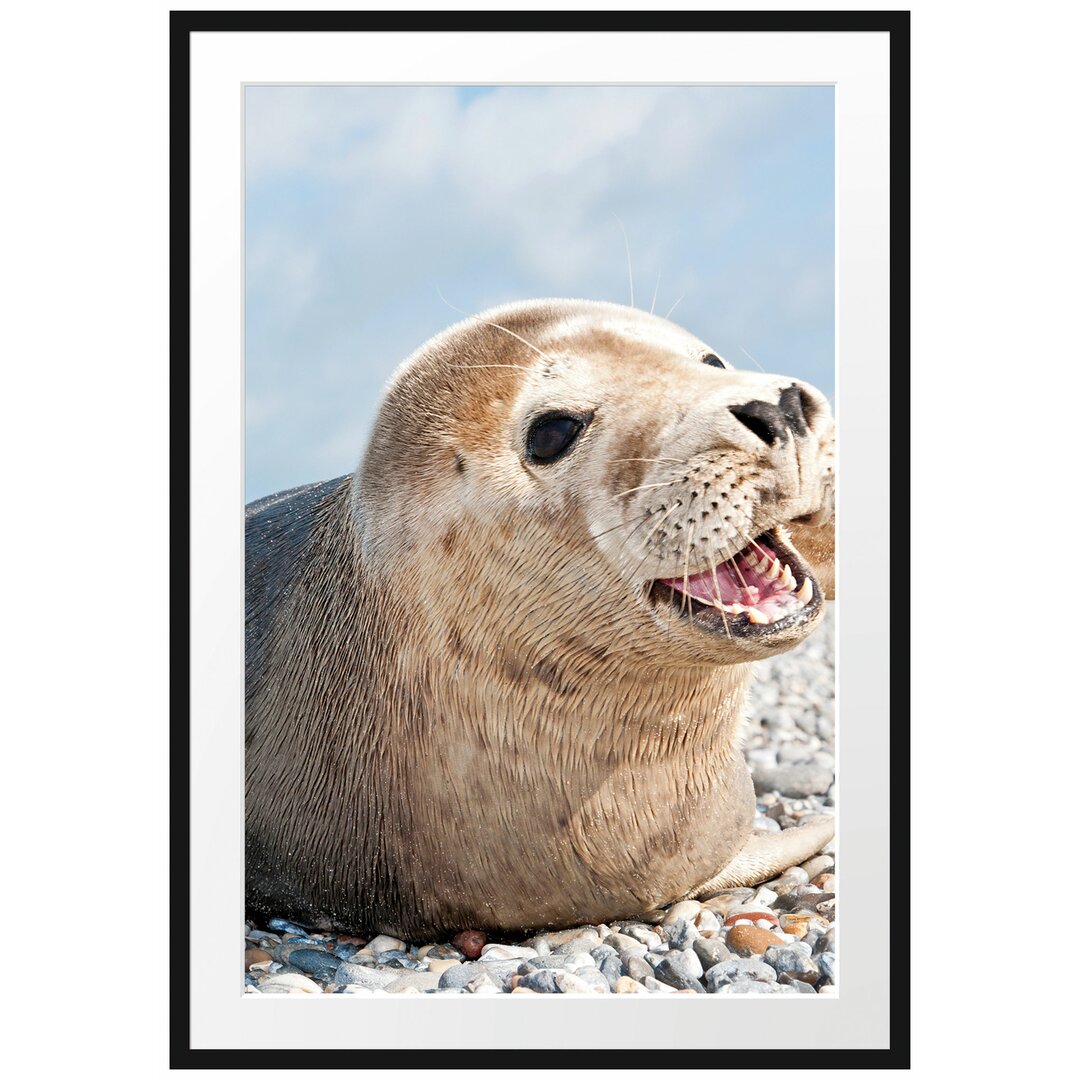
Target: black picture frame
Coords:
[(185, 23)]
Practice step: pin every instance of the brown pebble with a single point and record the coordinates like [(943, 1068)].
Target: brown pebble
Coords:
[(826, 882), (470, 943), (351, 939), (751, 940), (256, 956), (753, 916), (796, 925)]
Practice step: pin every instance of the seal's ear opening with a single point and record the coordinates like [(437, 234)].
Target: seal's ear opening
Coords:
[(816, 544)]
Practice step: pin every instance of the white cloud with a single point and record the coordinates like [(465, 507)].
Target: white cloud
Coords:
[(363, 200)]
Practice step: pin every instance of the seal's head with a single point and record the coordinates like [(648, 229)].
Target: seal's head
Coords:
[(596, 475)]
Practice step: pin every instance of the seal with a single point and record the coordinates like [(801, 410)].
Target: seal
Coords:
[(495, 677)]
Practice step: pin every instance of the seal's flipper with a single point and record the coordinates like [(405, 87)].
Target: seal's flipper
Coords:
[(769, 854)]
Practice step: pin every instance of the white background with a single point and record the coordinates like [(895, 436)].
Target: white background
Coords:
[(85, 951)]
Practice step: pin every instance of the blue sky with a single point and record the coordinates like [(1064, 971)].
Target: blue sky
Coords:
[(362, 203)]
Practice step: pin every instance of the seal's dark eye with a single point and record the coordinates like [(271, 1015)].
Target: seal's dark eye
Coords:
[(713, 361), (551, 435)]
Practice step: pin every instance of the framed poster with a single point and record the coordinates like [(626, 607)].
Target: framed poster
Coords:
[(481, 780)]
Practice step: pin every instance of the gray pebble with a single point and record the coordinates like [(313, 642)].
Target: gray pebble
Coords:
[(577, 961), (827, 963), (396, 958), (444, 952), (602, 952), (794, 875), (463, 974), (680, 934), (262, 936), (593, 979), (542, 981), (818, 865), (739, 969), (348, 974), (710, 951), (649, 938), (551, 962), (611, 968), (283, 926), (626, 945), (637, 967), (291, 945), (790, 961), (322, 965), (681, 970)]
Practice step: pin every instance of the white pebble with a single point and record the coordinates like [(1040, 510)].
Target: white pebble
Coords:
[(508, 952), (384, 943), (765, 897)]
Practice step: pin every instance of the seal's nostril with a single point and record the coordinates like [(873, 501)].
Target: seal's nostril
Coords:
[(766, 421), (792, 404)]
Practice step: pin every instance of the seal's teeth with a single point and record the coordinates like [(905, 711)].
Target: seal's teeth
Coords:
[(806, 591), (787, 577), (757, 616), (774, 570)]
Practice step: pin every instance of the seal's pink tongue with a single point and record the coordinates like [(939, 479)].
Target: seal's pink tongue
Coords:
[(754, 581)]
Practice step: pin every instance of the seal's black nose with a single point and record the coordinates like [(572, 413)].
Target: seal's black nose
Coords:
[(771, 423)]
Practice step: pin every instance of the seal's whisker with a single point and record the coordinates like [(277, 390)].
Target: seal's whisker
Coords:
[(652, 306), (674, 306), (505, 330), (626, 539), (629, 264), (745, 353), (677, 503), (622, 525), (659, 460), (657, 555), (645, 487), (688, 603), (716, 586)]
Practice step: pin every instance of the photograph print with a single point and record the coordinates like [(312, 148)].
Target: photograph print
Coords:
[(540, 473)]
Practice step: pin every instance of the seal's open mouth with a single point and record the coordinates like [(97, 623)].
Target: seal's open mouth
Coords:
[(759, 590)]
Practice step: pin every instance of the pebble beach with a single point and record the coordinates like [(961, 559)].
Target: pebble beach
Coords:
[(777, 938)]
